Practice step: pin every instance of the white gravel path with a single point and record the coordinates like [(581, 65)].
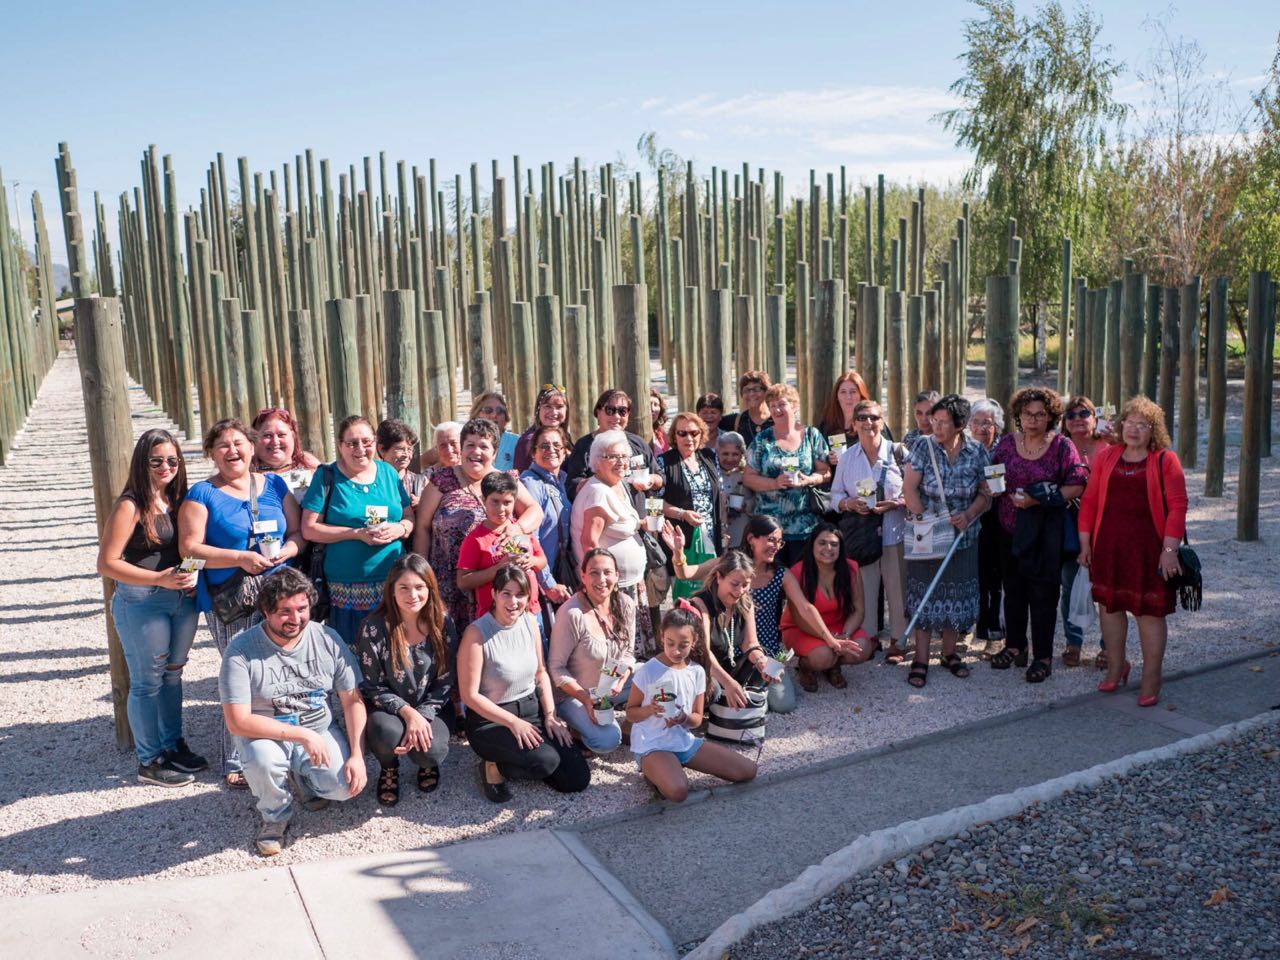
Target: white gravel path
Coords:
[(74, 817)]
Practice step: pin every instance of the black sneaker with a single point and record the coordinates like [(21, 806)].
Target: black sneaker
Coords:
[(162, 773), (182, 758)]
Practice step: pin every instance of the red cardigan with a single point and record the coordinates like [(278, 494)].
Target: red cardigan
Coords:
[(1170, 524)]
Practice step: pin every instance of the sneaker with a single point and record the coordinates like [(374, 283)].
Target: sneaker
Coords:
[(182, 758), (305, 797), (162, 773), (270, 838)]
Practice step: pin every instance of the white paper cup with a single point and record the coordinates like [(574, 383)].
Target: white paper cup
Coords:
[(670, 708), (737, 501), (996, 484), (604, 717), (270, 548), (654, 524), (639, 476)]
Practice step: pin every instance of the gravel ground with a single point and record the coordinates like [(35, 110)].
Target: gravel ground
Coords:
[(74, 817), (1176, 860)]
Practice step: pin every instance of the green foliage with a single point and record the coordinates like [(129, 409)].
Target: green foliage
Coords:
[(1038, 111), (1259, 200)]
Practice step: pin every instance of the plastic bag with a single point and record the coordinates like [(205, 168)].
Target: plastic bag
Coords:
[(1081, 610)]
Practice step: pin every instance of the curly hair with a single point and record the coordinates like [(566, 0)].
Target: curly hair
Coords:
[(1142, 408), (784, 391), (282, 583), (480, 427), (758, 377), (1052, 403)]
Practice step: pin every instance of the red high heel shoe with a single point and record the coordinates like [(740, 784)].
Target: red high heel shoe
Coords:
[(1111, 686), (1150, 701)]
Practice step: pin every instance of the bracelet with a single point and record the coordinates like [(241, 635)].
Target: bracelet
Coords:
[(1170, 550)]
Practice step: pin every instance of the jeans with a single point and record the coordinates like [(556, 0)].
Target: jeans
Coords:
[(598, 738), (223, 634), (1075, 636), (386, 730), (156, 627), (561, 768), (268, 763)]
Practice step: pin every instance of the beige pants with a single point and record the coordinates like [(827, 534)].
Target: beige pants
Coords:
[(893, 568)]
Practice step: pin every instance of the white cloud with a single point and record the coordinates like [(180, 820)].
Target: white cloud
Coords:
[(650, 102), (877, 144), (692, 135), (836, 106)]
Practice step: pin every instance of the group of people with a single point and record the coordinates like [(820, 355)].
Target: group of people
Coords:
[(613, 588)]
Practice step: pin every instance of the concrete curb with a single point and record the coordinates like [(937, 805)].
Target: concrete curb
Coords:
[(872, 849)]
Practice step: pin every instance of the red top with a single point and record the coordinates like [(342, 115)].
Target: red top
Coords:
[(826, 606), (478, 553), (1172, 523)]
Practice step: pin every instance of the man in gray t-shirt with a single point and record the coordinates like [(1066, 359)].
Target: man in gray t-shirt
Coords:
[(275, 684)]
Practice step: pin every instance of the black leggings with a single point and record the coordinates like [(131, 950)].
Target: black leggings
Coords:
[(990, 577), (386, 730), (561, 768), (1027, 599)]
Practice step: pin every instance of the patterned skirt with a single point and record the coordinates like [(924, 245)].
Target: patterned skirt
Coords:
[(953, 605), (647, 645), (349, 604)]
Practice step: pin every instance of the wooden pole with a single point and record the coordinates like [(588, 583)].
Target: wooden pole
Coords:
[(1216, 351), (399, 312), (719, 341), (100, 353), (1169, 355), (1002, 339), (1255, 375), (549, 332), (1151, 348), (306, 383), (931, 371), (1064, 320), (1189, 361), (824, 363), (631, 310), (898, 375), (344, 360), (1132, 335), (874, 323), (1111, 391)]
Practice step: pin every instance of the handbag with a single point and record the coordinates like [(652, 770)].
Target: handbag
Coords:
[(1189, 584), (745, 724), (863, 533), (931, 535), (237, 596), (566, 571), (311, 560)]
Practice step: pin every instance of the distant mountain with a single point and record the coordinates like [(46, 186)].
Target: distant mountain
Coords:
[(61, 273)]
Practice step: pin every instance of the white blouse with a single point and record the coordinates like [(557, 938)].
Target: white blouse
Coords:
[(854, 466)]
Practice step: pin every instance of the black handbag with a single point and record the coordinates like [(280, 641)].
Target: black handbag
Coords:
[(863, 534), (1189, 584), (237, 596), (655, 555)]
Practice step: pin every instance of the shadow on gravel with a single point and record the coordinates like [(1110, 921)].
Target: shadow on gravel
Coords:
[(60, 578), (15, 607), (75, 541), (45, 617), (44, 676), (9, 656)]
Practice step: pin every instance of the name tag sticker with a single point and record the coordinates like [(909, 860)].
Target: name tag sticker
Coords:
[(265, 526)]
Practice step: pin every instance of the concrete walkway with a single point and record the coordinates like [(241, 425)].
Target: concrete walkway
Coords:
[(631, 886)]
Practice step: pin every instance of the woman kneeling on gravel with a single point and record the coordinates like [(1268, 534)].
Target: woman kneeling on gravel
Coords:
[(405, 649), (154, 606)]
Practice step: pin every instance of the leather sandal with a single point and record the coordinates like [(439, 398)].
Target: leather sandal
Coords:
[(1009, 657), (428, 779), (805, 676), (389, 786), (893, 653), (953, 663), (1100, 661), (1039, 671), (836, 678), (1071, 657), (918, 675)]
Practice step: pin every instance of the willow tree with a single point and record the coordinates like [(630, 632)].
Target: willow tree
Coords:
[(1037, 113)]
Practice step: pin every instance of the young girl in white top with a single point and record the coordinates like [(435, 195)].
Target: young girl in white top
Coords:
[(666, 703)]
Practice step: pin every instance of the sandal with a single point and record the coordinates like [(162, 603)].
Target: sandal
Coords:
[(918, 675), (1009, 657), (893, 653), (807, 679), (953, 663), (235, 780), (428, 779), (1071, 657), (1039, 671), (1100, 661), (389, 786), (836, 678)]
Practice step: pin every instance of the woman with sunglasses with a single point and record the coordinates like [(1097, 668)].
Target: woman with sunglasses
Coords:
[(153, 606), (692, 498), (613, 412), (1081, 422), (360, 509), (550, 409), (492, 406)]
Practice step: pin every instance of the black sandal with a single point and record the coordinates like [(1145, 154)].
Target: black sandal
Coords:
[(953, 663), (1009, 657), (918, 675), (1039, 671), (389, 786), (428, 779)]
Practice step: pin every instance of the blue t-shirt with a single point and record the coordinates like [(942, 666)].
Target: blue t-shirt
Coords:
[(231, 523), (351, 561)]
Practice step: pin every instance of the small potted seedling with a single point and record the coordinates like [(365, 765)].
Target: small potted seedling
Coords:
[(775, 665), (790, 465), (666, 698), (867, 491), (269, 546), (603, 707), (653, 515), (375, 516), (838, 443), (513, 549), (736, 499), (994, 475), (638, 474)]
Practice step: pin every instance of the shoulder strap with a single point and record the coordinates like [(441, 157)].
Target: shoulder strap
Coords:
[(253, 509), (937, 474), (328, 490)]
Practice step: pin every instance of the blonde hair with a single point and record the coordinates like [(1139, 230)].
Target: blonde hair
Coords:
[(685, 416), (783, 391), (1141, 407)]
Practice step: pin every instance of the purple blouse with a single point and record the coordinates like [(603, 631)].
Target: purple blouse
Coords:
[(1059, 464)]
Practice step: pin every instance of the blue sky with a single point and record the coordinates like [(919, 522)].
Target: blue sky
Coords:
[(784, 86)]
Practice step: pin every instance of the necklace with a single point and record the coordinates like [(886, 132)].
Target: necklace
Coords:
[(1028, 453)]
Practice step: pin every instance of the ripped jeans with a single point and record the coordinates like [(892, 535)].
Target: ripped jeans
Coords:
[(156, 627)]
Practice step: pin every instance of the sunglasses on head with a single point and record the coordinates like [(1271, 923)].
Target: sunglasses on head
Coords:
[(616, 411), (1078, 415), (554, 386), (157, 462)]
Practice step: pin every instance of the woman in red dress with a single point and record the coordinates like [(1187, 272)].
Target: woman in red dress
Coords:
[(1132, 518)]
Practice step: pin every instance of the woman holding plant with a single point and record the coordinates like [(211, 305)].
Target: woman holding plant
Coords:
[(358, 508), (592, 654), (691, 494), (279, 450)]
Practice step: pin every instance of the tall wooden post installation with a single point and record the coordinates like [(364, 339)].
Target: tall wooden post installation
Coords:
[(631, 308), (1132, 335), (1188, 373), (873, 367), (824, 363), (1064, 320), (1115, 296), (1216, 356), (1151, 350), (100, 352), (897, 400), (399, 312), (1169, 355), (1002, 338), (1255, 375)]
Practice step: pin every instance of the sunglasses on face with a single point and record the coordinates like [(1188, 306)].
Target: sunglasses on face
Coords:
[(551, 447), (1078, 415), (494, 411), (689, 434), (869, 418), (614, 411), (157, 462)]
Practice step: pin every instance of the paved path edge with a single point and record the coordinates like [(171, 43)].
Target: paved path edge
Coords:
[(875, 848)]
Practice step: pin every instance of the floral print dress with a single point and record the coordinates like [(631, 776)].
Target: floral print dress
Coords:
[(456, 516)]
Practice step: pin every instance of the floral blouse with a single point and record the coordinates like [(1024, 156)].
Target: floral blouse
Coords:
[(422, 683), (960, 479), (789, 507)]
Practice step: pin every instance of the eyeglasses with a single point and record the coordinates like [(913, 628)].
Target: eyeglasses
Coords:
[(1078, 415), (613, 411), (551, 447), (689, 434), (1140, 425), (493, 411), (869, 417), (1028, 415), (357, 443), (616, 457), (157, 462)]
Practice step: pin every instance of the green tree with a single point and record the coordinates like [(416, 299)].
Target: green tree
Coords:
[(1038, 111), (1258, 203)]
